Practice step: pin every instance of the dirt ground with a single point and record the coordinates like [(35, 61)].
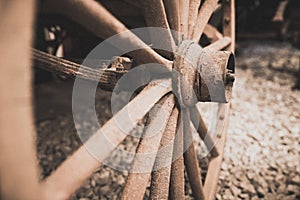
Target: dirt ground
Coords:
[(262, 152)]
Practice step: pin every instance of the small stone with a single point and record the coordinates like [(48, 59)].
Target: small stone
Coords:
[(292, 189), (104, 190), (244, 196), (103, 178), (260, 192), (235, 191), (120, 180)]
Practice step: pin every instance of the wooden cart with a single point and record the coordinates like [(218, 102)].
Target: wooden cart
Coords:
[(209, 23)]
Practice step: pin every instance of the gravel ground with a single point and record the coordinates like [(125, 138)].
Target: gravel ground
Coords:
[(262, 153), (262, 150)]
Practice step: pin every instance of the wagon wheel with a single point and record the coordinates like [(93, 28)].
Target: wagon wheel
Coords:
[(190, 18)]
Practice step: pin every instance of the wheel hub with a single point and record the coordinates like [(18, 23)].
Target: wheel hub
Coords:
[(202, 74)]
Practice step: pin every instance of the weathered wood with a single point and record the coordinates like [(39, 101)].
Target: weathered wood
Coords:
[(103, 24), (191, 161), (176, 190), (184, 17), (107, 77), (193, 14), (162, 168), (19, 177), (219, 44), (204, 15), (279, 15), (155, 16), (143, 163), (73, 172), (202, 130), (173, 15), (229, 22), (214, 167), (212, 33)]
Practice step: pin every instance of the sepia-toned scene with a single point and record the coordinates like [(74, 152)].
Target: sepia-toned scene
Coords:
[(150, 99)]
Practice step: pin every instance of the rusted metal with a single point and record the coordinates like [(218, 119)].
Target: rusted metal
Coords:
[(202, 74), (102, 23), (202, 130), (193, 14), (162, 168), (204, 15), (143, 163), (191, 161), (73, 172), (219, 65), (185, 73)]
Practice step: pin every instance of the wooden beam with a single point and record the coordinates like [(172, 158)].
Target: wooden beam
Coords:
[(173, 13), (19, 178), (204, 15), (155, 16), (193, 14), (191, 160), (214, 167), (229, 23), (202, 130), (177, 182), (73, 172), (107, 78), (212, 33), (219, 44), (143, 163), (279, 15), (184, 17), (103, 24), (162, 168)]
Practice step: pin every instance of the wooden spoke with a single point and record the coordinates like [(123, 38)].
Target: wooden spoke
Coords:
[(279, 15), (204, 15), (71, 174), (211, 180), (184, 16), (212, 33), (102, 23), (19, 166), (106, 78), (219, 44), (202, 130), (176, 190), (229, 23), (155, 16), (191, 161), (162, 168), (173, 13), (193, 14), (142, 165)]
